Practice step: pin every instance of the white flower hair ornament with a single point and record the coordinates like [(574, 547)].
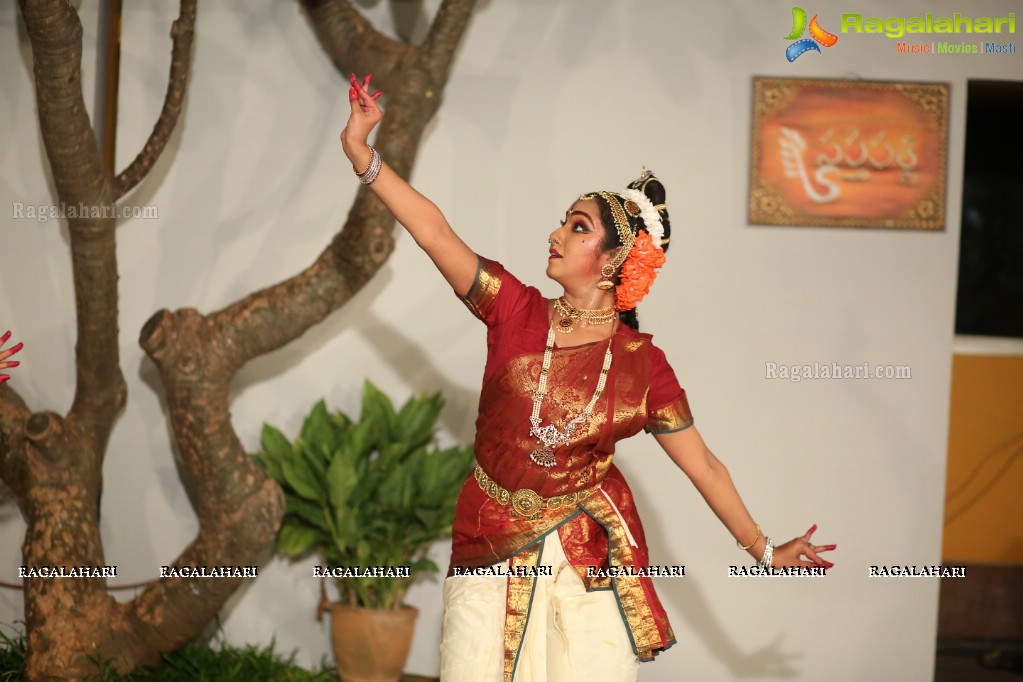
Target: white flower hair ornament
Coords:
[(651, 219)]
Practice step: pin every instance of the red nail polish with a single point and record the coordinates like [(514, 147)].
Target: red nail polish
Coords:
[(376, 95), (369, 77)]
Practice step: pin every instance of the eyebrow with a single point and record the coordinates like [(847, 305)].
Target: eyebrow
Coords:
[(582, 213)]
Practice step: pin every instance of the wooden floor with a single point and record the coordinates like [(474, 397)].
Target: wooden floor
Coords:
[(960, 661), (980, 627), (957, 661)]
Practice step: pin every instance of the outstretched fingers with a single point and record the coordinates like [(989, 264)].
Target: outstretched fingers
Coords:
[(359, 93), (810, 551), (4, 354)]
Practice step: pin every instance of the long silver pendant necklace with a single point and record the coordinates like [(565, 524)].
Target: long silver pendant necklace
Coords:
[(551, 436)]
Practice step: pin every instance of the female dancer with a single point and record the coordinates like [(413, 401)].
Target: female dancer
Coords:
[(4, 354), (546, 509)]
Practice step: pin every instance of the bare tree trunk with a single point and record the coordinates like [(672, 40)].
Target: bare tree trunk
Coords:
[(53, 464)]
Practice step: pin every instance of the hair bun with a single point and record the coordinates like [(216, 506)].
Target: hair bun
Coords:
[(653, 189)]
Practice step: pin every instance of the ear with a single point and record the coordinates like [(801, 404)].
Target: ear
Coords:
[(612, 255)]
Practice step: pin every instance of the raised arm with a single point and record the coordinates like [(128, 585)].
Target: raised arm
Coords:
[(417, 214), (687, 449)]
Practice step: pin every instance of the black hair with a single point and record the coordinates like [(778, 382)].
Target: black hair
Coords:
[(654, 191)]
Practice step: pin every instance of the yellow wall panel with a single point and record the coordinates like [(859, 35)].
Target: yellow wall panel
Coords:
[(984, 486)]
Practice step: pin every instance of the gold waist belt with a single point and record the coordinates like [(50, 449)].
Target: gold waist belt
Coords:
[(526, 502)]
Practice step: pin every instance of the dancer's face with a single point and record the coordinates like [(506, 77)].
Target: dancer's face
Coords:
[(577, 246)]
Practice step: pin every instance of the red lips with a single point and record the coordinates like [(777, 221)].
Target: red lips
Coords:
[(555, 254)]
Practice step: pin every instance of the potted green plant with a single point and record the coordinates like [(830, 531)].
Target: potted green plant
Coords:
[(370, 496)]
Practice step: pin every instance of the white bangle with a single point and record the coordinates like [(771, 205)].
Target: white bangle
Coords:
[(372, 170), (765, 560)]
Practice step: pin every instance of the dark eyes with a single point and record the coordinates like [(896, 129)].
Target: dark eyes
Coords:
[(577, 226)]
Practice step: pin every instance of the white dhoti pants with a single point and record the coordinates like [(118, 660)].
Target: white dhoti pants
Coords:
[(571, 635)]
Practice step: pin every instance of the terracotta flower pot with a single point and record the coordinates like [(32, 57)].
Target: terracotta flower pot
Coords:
[(371, 645)]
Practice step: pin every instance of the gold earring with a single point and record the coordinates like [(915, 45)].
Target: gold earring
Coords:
[(607, 272)]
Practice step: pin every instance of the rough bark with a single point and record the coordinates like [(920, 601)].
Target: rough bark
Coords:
[(53, 463)]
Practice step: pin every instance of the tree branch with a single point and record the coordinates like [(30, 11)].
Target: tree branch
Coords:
[(268, 319), (55, 33), (352, 43), (182, 33), (446, 31), (238, 507), (165, 616), (83, 185), (13, 467), (100, 389)]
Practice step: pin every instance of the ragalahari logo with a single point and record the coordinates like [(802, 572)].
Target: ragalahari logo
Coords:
[(818, 36)]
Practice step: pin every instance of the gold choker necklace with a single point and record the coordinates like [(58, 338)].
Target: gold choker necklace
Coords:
[(570, 315)]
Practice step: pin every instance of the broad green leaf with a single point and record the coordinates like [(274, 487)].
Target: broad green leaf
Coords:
[(418, 418), (315, 463), (301, 479), (424, 565), (318, 432), (295, 539), (378, 409), (311, 513), (269, 465), (341, 481), (358, 444), (275, 443), (391, 491), (392, 454)]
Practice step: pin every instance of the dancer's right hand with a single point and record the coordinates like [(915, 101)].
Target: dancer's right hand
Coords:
[(364, 117), (4, 354)]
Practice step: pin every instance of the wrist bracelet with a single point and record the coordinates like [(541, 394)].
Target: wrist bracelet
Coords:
[(373, 170), (746, 548), (765, 561), (366, 170)]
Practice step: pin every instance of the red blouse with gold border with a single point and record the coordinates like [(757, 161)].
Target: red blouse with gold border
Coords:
[(600, 530)]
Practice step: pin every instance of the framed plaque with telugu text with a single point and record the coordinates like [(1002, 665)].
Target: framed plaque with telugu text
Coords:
[(848, 153)]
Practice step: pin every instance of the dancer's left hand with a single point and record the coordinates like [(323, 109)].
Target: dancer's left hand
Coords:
[(793, 551)]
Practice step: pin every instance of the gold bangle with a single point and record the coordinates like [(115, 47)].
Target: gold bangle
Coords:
[(746, 548)]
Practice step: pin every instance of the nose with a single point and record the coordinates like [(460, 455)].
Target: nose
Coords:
[(553, 238)]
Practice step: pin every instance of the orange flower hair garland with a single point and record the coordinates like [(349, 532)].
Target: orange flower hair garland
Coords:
[(638, 272)]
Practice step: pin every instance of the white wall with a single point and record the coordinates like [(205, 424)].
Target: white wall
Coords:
[(547, 100)]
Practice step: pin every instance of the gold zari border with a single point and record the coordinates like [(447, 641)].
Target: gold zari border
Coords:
[(483, 292), (673, 417), (520, 597)]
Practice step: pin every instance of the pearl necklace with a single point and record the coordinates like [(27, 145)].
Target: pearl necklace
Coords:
[(551, 436)]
